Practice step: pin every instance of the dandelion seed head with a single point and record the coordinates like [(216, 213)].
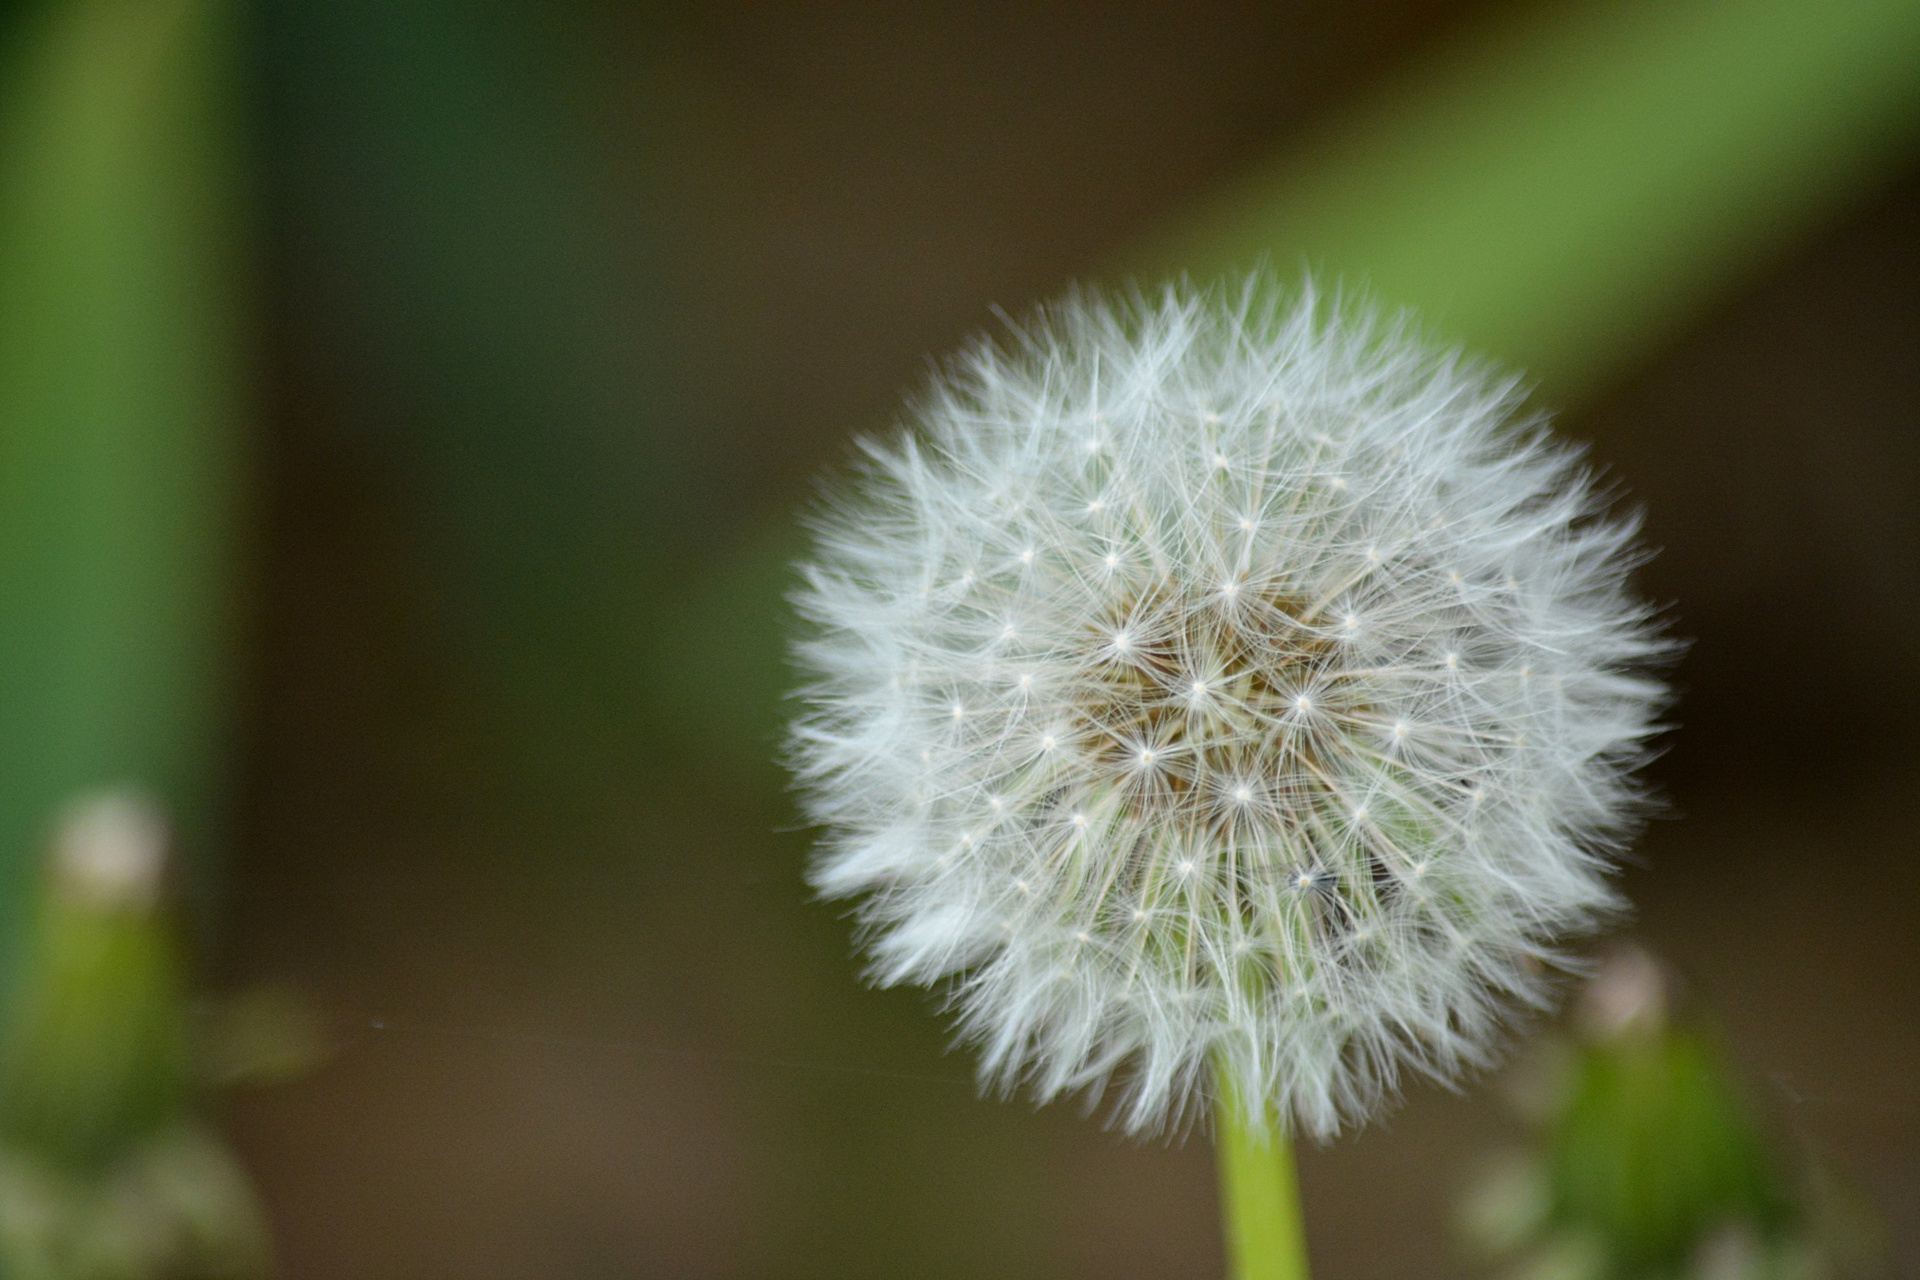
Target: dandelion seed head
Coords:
[(1213, 841)]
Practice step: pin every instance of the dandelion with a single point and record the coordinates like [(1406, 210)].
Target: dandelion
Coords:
[(1209, 685)]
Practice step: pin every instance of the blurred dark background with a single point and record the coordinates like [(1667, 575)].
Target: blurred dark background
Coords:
[(565, 303)]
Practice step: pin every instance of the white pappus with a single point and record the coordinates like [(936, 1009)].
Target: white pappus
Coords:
[(1204, 681)]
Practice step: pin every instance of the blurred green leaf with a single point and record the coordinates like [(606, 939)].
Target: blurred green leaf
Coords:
[(1561, 189), (120, 453), (1566, 188), (520, 282)]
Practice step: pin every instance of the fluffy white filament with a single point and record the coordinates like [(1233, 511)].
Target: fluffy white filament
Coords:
[(1207, 681)]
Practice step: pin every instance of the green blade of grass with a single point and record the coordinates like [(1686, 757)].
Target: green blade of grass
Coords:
[(120, 440), (1565, 190)]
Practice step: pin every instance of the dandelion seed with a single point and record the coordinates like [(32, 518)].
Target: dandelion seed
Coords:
[(1301, 645)]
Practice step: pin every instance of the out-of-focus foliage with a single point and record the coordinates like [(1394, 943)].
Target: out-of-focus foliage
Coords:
[(120, 436), (93, 1055), (120, 453), (106, 1173), (1565, 189), (515, 286), (1649, 1163), (528, 395), (1561, 191)]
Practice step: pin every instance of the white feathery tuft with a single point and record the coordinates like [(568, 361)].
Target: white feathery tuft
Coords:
[(1205, 680)]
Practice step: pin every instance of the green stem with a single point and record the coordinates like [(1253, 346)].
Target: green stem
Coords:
[(1259, 1193)]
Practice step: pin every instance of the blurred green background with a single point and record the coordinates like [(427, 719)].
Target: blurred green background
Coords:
[(402, 410)]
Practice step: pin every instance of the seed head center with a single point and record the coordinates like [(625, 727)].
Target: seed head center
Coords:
[(1203, 697)]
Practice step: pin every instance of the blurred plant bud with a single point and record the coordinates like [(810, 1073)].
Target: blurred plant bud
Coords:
[(1648, 1163), (105, 1173), (1626, 1000), (93, 1055)]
